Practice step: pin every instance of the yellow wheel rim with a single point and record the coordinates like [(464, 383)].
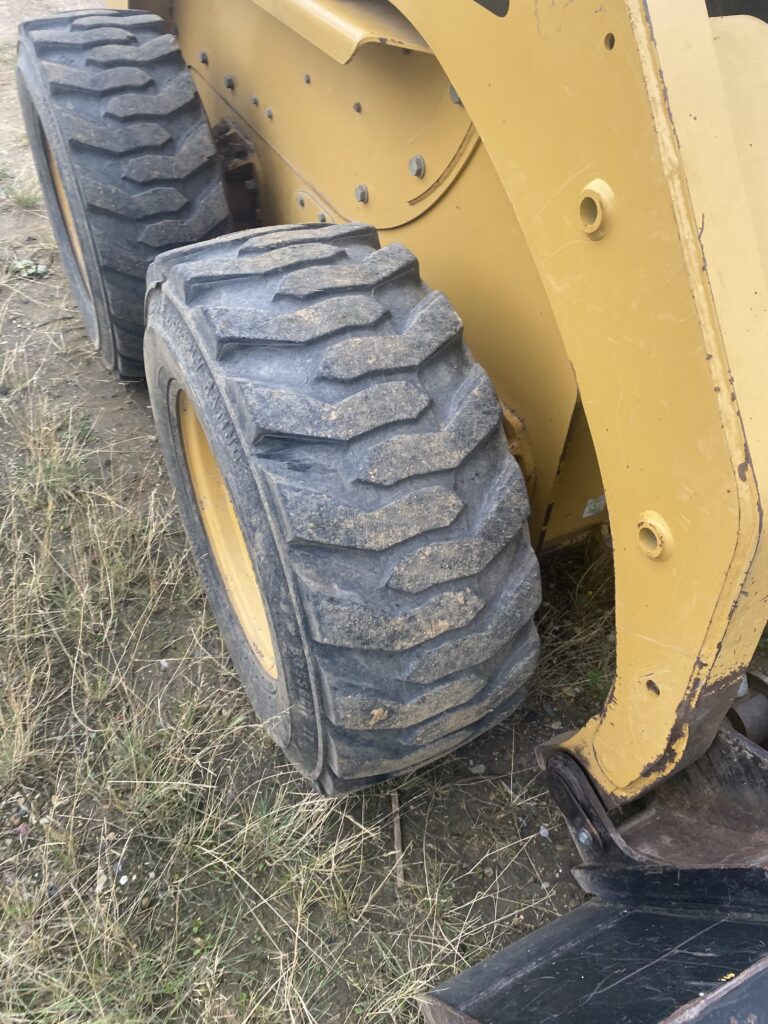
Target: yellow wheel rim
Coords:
[(225, 537), (65, 210)]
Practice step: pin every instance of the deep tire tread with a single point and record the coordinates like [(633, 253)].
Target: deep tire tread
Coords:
[(400, 515), (139, 144)]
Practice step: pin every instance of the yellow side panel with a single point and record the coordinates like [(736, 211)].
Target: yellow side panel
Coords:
[(337, 127), (741, 45), (577, 505), (162, 8), (340, 27)]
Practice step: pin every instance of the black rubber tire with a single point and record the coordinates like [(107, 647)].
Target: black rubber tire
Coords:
[(385, 517), (110, 93)]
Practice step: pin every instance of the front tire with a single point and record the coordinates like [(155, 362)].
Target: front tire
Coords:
[(383, 516)]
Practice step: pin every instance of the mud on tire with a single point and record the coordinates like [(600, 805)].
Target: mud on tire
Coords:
[(108, 100), (384, 516)]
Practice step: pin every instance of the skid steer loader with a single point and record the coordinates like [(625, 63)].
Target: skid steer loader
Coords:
[(579, 190)]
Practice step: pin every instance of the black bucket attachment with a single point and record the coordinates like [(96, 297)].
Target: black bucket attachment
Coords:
[(619, 963), (678, 933)]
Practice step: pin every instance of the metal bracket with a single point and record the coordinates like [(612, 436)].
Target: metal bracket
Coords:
[(712, 816)]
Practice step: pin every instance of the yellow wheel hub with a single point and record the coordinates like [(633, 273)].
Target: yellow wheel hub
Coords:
[(66, 211), (225, 537)]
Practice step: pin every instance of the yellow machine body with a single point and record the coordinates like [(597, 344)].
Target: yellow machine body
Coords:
[(586, 184)]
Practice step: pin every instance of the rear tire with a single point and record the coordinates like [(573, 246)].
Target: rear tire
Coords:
[(384, 516), (125, 158)]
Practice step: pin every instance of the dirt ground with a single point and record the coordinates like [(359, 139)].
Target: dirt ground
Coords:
[(158, 858)]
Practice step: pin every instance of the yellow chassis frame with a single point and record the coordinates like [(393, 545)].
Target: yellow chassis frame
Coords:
[(629, 144)]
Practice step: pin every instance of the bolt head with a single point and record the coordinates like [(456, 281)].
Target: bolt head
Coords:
[(322, 218), (270, 113), (357, 106), (583, 837), (301, 201), (203, 57), (229, 81), (416, 166), (361, 194), (307, 79), (255, 100)]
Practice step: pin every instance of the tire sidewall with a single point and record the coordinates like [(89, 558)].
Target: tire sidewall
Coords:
[(174, 363), (41, 123)]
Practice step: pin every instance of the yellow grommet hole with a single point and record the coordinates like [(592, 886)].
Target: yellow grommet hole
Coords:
[(649, 541), (590, 213), (654, 536), (596, 207)]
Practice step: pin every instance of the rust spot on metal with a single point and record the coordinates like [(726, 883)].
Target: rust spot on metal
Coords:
[(695, 1010), (746, 465), (708, 714), (662, 764)]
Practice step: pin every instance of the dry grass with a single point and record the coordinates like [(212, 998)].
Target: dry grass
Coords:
[(159, 860), (577, 628), (7, 53), (25, 195), (21, 187)]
